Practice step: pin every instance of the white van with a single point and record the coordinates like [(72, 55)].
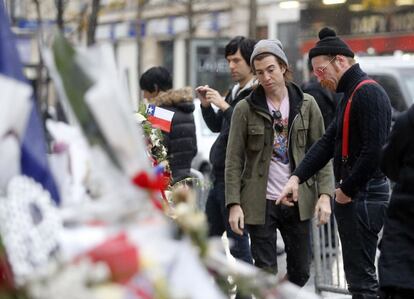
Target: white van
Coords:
[(205, 139), (396, 76)]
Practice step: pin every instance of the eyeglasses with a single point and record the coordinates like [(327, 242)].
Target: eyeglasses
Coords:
[(278, 125), (319, 72)]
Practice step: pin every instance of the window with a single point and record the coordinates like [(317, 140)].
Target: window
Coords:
[(407, 76), (288, 34), (168, 55), (209, 66)]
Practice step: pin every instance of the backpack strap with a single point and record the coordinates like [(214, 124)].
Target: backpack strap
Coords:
[(345, 125)]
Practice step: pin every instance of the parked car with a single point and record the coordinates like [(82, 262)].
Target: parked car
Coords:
[(395, 74)]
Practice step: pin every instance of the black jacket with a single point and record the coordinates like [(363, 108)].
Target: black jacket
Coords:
[(370, 121), (396, 264), (181, 142), (220, 122)]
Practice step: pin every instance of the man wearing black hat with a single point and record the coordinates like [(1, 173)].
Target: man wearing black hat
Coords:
[(354, 140)]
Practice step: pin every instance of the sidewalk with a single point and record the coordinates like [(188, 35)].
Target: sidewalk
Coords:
[(310, 285)]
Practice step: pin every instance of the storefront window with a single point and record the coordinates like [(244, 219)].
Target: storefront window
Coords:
[(209, 66), (168, 55)]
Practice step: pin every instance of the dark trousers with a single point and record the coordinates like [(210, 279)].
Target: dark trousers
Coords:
[(295, 234), (359, 223), (396, 293), (218, 222)]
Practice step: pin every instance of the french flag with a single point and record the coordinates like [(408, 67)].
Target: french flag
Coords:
[(159, 117), (34, 161)]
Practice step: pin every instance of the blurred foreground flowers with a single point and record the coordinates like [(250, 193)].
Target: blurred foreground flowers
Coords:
[(115, 228)]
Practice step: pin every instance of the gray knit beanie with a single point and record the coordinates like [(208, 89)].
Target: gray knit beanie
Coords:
[(271, 46)]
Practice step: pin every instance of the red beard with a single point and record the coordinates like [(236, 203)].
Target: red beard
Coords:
[(328, 85)]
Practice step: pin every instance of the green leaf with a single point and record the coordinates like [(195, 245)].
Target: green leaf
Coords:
[(76, 83)]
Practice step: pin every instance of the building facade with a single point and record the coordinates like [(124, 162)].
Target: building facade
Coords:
[(186, 36), (369, 26)]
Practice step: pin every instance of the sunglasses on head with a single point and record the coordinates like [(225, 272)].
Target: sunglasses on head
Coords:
[(277, 116)]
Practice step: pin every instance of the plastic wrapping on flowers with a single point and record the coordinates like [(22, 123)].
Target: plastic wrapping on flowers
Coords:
[(115, 245)]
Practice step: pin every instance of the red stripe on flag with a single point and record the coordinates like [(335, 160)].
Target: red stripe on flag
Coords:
[(159, 123)]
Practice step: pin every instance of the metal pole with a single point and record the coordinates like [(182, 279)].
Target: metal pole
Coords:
[(138, 37), (191, 30), (253, 18), (93, 22), (317, 256)]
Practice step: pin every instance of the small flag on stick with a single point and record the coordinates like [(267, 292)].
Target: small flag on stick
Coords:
[(159, 117)]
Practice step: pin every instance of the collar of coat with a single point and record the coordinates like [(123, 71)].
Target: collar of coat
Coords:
[(257, 100), (241, 95), (174, 96), (350, 80)]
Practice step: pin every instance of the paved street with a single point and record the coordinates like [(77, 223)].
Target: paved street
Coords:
[(310, 286)]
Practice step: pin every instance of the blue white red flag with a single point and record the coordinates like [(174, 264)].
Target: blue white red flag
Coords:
[(33, 145), (159, 117)]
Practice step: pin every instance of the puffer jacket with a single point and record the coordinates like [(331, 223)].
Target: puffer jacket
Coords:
[(181, 142), (250, 147)]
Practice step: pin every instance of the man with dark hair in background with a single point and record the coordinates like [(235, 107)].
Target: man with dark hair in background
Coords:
[(181, 141), (237, 53)]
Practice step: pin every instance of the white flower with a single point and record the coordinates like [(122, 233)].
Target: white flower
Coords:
[(139, 118), (189, 219)]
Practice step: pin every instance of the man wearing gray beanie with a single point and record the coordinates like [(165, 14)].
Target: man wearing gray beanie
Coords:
[(354, 140), (273, 47), (269, 133)]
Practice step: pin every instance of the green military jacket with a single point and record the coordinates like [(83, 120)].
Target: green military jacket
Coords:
[(250, 147)]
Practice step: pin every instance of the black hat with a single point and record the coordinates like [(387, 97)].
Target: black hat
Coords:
[(330, 44)]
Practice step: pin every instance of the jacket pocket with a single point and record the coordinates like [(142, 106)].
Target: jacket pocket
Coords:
[(302, 135), (255, 139)]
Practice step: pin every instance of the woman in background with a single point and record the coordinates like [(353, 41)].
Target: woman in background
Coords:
[(181, 141)]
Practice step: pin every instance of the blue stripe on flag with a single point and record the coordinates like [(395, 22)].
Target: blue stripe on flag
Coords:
[(33, 156)]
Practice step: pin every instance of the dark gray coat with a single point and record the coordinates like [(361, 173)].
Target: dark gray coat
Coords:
[(220, 122), (396, 264)]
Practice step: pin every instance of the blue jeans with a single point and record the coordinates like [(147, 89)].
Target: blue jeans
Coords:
[(218, 223), (359, 223)]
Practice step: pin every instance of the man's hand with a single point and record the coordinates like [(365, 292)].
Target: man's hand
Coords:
[(323, 209), (341, 198), (202, 95), (290, 192), (215, 98), (209, 96), (236, 219)]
